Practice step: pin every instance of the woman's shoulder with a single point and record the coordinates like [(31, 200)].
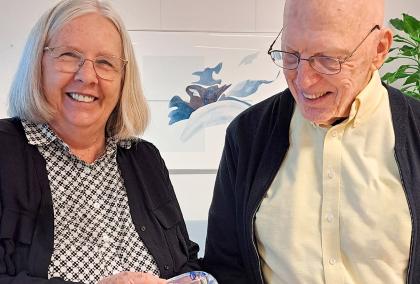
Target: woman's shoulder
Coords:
[(137, 144), (10, 126), (140, 148), (11, 133)]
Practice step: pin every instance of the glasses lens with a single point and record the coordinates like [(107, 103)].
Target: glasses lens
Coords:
[(108, 67), (325, 65), (66, 60), (284, 59)]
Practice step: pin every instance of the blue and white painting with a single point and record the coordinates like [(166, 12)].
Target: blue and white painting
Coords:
[(196, 84), (210, 101)]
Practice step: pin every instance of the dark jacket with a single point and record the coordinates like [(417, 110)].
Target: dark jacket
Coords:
[(256, 144), (26, 220)]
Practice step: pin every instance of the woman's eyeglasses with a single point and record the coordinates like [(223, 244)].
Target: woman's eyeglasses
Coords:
[(68, 60)]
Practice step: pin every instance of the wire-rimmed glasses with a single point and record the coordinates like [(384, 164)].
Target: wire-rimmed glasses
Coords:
[(323, 64), (68, 60)]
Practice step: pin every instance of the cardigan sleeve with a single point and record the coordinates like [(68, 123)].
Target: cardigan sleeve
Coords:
[(191, 247), (155, 210), (223, 257), (17, 227), (20, 203)]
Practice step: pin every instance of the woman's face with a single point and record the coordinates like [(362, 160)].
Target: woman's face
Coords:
[(82, 100)]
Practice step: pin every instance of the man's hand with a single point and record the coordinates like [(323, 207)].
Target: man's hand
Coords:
[(127, 277)]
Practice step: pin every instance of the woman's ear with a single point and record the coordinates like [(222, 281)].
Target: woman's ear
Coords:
[(382, 48)]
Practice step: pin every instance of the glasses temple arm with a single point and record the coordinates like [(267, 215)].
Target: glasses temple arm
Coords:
[(354, 50), (271, 46)]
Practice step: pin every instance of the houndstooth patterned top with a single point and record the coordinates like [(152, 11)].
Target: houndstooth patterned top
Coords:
[(94, 235)]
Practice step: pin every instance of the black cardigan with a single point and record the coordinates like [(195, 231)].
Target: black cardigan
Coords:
[(256, 143), (26, 212)]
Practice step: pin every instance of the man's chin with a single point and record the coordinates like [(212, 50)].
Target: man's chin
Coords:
[(319, 120)]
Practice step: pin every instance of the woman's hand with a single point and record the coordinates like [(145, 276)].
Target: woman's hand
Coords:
[(127, 277)]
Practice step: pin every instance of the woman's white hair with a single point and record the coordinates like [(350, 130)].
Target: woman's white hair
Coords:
[(26, 98)]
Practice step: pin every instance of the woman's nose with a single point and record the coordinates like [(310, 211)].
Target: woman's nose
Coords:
[(87, 72)]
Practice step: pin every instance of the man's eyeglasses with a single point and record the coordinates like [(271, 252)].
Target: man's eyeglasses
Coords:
[(68, 60), (323, 64)]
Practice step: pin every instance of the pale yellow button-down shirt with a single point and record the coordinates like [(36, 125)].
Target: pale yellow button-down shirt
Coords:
[(336, 212)]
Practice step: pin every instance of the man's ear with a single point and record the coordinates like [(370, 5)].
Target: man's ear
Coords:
[(382, 48)]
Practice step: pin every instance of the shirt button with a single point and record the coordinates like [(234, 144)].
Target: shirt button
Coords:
[(330, 174), (334, 133), (166, 267), (333, 261), (330, 218), (143, 228)]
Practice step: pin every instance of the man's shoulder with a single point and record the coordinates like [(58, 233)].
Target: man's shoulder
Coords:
[(403, 104), (266, 111)]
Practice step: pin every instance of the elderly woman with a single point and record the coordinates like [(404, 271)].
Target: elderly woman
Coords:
[(82, 199)]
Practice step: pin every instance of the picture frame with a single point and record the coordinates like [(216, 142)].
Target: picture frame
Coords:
[(195, 84)]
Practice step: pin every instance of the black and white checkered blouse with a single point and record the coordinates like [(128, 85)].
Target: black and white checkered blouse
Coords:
[(94, 235)]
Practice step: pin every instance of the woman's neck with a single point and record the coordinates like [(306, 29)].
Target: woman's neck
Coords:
[(88, 144)]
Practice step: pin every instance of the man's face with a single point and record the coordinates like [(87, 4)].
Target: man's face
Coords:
[(325, 98)]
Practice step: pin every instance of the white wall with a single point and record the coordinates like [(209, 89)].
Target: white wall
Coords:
[(194, 190)]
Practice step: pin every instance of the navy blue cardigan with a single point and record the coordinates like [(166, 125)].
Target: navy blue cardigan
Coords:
[(26, 212), (255, 146)]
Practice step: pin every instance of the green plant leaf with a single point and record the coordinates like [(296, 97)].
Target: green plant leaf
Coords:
[(401, 75), (390, 59), (407, 50), (387, 76), (402, 68), (415, 38), (411, 25), (407, 88), (401, 39), (412, 94), (395, 76), (413, 78), (391, 77), (397, 23)]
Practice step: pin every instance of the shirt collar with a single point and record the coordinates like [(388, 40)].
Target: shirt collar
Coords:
[(41, 134), (367, 100)]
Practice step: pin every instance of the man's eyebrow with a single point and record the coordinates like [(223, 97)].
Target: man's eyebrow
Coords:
[(338, 52), (333, 52), (287, 48)]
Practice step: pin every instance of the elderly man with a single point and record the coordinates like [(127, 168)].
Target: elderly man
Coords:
[(321, 183)]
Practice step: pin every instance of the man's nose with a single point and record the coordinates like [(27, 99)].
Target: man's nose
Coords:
[(306, 75), (87, 72)]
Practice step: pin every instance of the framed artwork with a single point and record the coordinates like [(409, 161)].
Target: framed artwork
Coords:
[(195, 84)]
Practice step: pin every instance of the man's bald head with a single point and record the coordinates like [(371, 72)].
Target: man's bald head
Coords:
[(335, 32), (345, 15)]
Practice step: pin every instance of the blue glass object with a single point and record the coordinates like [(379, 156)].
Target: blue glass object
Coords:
[(193, 277)]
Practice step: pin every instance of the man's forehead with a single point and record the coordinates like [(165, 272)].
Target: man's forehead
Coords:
[(341, 14), (315, 41)]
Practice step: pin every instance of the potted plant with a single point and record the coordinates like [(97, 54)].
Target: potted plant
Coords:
[(407, 51)]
